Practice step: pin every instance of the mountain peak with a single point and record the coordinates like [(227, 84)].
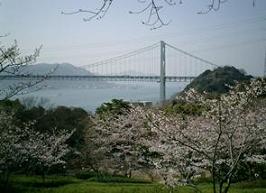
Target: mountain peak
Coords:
[(216, 81), (58, 68)]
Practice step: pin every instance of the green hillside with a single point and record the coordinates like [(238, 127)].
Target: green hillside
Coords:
[(216, 81)]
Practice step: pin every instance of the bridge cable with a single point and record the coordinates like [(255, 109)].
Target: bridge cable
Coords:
[(191, 55), (124, 56)]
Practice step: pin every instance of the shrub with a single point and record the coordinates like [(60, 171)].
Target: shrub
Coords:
[(84, 175)]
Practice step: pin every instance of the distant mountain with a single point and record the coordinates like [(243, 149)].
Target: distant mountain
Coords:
[(55, 69), (216, 81), (58, 69)]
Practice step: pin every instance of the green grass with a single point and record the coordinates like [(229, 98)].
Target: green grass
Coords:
[(107, 178), (67, 184)]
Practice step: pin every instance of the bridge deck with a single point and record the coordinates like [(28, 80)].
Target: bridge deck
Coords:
[(100, 78)]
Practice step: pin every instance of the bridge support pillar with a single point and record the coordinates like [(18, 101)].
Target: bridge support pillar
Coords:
[(162, 72)]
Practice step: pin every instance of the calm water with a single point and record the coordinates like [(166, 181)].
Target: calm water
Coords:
[(90, 95)]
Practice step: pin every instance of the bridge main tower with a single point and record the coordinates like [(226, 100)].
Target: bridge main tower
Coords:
[(162, 72)]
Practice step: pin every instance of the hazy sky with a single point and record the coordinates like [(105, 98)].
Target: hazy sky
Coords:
[(235, 35)]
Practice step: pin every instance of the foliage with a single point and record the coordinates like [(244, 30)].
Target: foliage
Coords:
[(65, 118), (250, 171), (10, 106), (113, 108), (84, 175), (182, 107), (33, 101), (217, 81), (53, 122), (44, 121)]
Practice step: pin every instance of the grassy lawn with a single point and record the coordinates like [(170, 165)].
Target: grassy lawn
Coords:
[(56, 184)]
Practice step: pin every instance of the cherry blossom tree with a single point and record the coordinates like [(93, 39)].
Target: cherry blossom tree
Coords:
[(122, 139), (230, 130), (23, 146), (47, 150), (129, 142), (10, 154)]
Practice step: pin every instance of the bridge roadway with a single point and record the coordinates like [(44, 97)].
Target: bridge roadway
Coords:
[(99, 78)]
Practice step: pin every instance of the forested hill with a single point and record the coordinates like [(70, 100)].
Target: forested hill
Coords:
[(216, 81)]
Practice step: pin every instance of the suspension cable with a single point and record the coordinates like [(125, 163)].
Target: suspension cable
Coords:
[(124, 56), (188, 54)]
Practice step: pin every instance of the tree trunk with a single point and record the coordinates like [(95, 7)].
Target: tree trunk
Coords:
[(129, 173), (171, 190), (6, 176), (228, 186), (221, 187), (213, 181), (43, 175)]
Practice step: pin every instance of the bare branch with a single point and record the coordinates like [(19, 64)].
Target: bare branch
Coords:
[(151, 8), (27, 86), (5, 35), (98, 13), (12, 64), (214, 5)]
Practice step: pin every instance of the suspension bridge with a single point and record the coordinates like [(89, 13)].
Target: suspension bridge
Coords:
[(160, 62)]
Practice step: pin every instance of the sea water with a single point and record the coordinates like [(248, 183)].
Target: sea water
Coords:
[(90, 95)]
